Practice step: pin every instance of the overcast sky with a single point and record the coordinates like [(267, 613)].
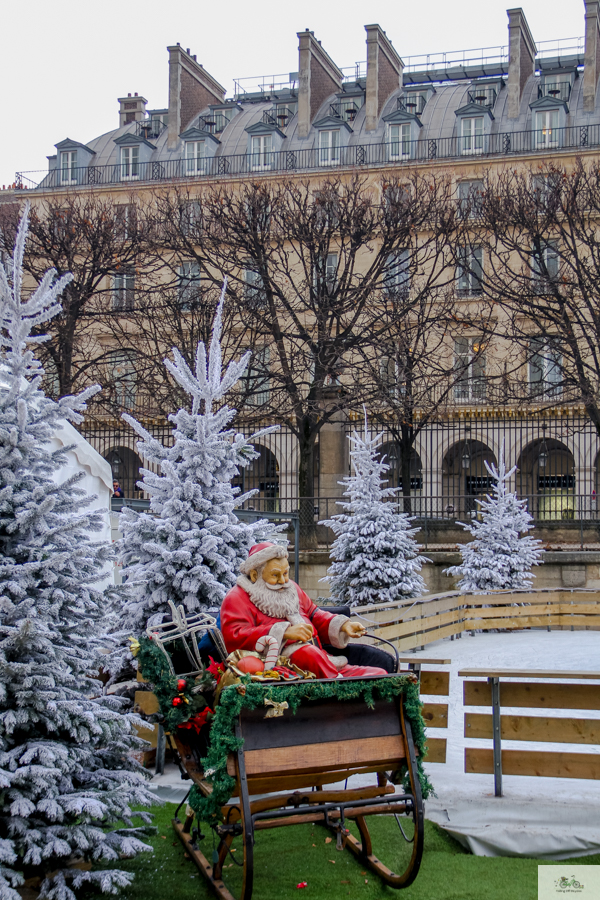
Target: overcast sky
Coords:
[(63, 64)]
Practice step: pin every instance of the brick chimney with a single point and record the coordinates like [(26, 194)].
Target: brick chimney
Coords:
[(131, 109), (591, 70), (191, 89), (384, 74), (319, 77), (521, 59)]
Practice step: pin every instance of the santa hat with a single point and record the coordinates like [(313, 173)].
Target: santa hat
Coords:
[(260, 554)]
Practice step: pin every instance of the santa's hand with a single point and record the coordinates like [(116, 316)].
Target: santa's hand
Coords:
[(302, 632), (353, 629)]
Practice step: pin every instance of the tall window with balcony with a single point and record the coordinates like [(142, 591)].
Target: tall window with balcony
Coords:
[(123, 380), (188, 286), (470, 369), (469, 198), (545, 261), (471, 135), (546, 128), (400, 143), (123, 291), (397, 275), (470, 271), (258, 382), (68, 167), (325, 273), (545, 369), (130, 163), (329, 147), (195, 158), (254, 289), (261, 154)]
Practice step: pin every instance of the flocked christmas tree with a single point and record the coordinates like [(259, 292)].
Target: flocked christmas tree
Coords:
[(188, 548), (502, 554), (65, 779), (375, 554)]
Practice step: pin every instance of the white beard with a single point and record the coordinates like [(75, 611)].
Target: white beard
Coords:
[(280, 604)]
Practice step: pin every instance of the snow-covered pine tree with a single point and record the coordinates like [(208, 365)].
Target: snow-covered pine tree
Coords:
[(188, 548), (65, 779), (375, 554), (499, 558)]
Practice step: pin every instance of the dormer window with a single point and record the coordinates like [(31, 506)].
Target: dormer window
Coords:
[(195, 157), (471, 135), (546, 128), (261, 156), (400, 142), (68, 167), (329, 147), (130, 163)]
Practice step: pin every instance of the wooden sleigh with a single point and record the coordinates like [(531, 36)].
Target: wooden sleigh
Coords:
[(293, 769)]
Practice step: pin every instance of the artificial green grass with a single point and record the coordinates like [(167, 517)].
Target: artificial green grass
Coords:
[(284, 857)]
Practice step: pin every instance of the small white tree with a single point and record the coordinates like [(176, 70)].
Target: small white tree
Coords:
[(66, 784), (499, 558), (376, 558), (188, 548)]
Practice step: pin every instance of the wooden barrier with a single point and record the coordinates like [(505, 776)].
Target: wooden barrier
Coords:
[(566, 690), (416, 623), (432, 684)]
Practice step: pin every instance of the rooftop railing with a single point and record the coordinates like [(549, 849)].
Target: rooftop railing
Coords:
[(558, 90), (406, 152), (483, 96)]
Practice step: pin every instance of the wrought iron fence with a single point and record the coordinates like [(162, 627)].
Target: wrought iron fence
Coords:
[(423, 150)]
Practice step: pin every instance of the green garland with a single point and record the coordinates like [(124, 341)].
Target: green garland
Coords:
[(224, 742), (154, 667)]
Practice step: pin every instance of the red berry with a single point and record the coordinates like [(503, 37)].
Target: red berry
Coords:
[(181, 684), (177, 701)]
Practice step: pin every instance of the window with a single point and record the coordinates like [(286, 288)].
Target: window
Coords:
[(329, 147), (469, 198), (544, 265), (471, 130), (469, 366), (327, 272), (254, 288), (470, 270), (191, 216), (123, 291), (188, 288), (195, 159), (400, 144), (261, 155), (258, 383), (68, 167), (122, 375), (130, 163), (124, 218), (545, 368), (390, 377), (397, 274), (546, 125)]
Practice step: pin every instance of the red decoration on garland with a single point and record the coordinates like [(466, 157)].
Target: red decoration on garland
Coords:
[(197, 721), (177, 701), (216, 669), (181, 684)]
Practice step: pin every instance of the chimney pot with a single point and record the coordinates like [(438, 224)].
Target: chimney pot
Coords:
[(135, 95), (129, 95), (188, 51)]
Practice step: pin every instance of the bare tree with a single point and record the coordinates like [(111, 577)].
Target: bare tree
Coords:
[(539, 232), (307, 266), (104, 245)]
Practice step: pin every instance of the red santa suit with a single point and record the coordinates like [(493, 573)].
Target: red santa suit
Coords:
[(253, 617)]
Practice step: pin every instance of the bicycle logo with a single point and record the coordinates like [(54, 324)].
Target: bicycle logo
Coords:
[(568, 885)]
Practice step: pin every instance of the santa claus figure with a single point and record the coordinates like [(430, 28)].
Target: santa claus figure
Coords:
[(268, 613)]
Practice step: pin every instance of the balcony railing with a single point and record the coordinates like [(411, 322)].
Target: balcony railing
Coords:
[(483, 96), (421, 151), (558, 90), (412, 103), (150, 128)]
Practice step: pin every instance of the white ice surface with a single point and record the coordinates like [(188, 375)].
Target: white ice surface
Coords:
[(543, 817)]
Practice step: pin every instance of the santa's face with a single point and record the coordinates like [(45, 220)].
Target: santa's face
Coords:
[(275, 574)]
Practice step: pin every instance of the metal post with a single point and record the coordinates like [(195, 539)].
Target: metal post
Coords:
[(495, 683), (161, 747), (416, 668), (297, 548)]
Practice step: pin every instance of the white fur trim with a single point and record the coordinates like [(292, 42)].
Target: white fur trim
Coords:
[(258, 560), (338, 638), (338, 661)]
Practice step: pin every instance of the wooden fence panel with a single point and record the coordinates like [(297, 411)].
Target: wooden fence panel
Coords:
[(534, 695), (534, 762), (535, 728)]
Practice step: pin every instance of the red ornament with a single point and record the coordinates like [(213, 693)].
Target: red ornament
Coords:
[(250, 664), (302, 884), (181, 684), (177, 701), (198, 720)]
